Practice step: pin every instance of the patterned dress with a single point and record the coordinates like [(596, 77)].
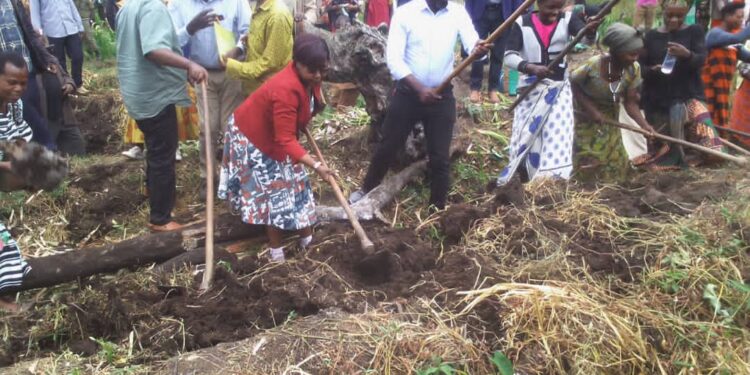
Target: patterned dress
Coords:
[(599, 151), (542, 137), (262, 190), (717, 75), (740, 119)]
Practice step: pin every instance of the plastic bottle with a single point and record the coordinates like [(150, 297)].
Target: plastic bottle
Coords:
[(668, 65), (513, 82)]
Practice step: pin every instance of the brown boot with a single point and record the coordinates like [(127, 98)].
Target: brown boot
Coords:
[(475, 96), (494, 97)]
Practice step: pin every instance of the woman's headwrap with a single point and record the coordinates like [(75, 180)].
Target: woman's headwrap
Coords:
[(621, 38)]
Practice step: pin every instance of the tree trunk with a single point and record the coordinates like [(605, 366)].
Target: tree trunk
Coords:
[(358, 56), (155, 248)]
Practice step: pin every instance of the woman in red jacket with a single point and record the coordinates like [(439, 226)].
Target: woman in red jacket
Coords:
[(262, 173)]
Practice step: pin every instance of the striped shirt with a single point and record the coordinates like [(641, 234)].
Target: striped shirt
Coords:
[(12, 124), (12, 265)]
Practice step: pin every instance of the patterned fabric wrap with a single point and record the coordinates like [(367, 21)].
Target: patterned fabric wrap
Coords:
[(599, 151), (542, 136), (188, 125), (12, 266), (262, 190), (717, 76), (740, 119), (695, 127)]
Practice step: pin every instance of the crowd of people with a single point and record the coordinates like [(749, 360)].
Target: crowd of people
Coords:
[(264, 89)]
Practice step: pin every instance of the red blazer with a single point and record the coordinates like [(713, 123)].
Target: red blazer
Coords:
[(273, 117)]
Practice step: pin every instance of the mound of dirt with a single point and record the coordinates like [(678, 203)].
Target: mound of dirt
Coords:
[(100, 120), (247, 296), (656, 194), (103, 193)]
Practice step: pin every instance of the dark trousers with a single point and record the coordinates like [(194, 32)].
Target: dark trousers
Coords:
[(404, 112), (67, 137), (160, 133), (110, 9), (72, 46), (32, 113), (491, 19)]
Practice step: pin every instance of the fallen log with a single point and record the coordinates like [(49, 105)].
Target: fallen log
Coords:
[(368, 208), (148, 249)]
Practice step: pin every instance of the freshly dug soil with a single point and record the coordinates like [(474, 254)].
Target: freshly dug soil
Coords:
[(652, 195), (100, 121), (104, 193), (247, 296)]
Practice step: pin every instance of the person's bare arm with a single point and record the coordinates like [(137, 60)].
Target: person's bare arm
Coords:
[(166, 57), (634, 110)]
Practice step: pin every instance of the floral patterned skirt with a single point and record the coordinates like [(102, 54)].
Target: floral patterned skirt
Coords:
[(262, 190), (693, 120)]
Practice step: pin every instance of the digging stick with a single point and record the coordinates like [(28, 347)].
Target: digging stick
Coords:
[(732, 158), (599, 16), (299, 6), (495, 34), (734, 147), (730, 130), (208, 274), (367, 245)]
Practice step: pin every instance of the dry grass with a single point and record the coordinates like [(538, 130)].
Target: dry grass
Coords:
[(684, 309), (334, 342)]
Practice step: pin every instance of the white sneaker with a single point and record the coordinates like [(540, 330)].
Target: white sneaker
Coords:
[(356, 196), (178, 155), (136, 152)]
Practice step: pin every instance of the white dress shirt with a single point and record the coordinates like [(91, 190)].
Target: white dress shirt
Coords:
[(422, 43), (203, 48)]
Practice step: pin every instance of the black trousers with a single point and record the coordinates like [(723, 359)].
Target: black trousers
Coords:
[(72, 46), (32, 113), (67, 137), (491, 19), (404, 112), (160, 133)]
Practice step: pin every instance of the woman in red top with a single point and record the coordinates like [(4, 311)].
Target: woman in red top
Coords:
[(262, 173), (378, 12)]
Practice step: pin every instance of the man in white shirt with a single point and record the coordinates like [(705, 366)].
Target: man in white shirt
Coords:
[(60, 22), (420, 55), (194, 22)]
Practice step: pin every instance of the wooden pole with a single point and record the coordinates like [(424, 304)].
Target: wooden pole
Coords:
[(495, 34), (734, 147), (719, 154), (730, 130), (558, 59), (367, 245), (208, 273)]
